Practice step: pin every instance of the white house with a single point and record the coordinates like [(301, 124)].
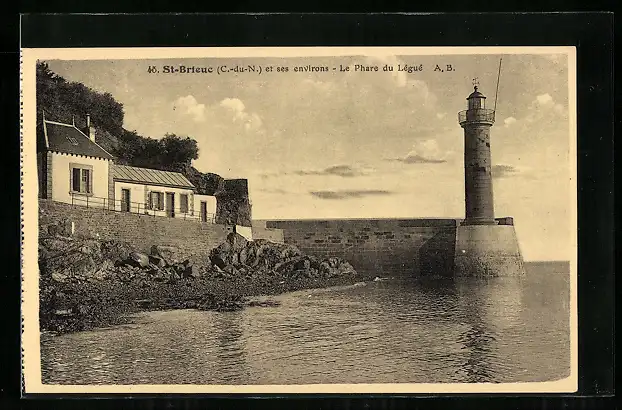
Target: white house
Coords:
[(72, 167), (154, 192)]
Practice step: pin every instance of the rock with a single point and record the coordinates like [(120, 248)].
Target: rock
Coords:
[(104, 268), (289, 263), (116, 251), (83, 266), (264, 303), (157, 261), (230, 269), (218, 262), (53, 230), (169, 253), (57, 245), (59, 277), (143, 303), (192, 271), (139, 259)]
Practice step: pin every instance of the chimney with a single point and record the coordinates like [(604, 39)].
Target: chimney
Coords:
[(90, 131)]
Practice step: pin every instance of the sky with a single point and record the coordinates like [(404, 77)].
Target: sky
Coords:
[(353, 144)]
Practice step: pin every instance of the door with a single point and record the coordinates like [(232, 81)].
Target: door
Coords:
[(170, 204), (203, 211), (125, 200)]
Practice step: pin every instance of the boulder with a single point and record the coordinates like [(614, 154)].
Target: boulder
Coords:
[(139, 259), (230, 269), (218, 261), (169, 253), (192, 272), (157, 261), (116, 251), (103, 270), (59, 277)]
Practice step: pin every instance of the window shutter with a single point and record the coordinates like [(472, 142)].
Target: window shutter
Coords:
[(90, 174), (147, 199)]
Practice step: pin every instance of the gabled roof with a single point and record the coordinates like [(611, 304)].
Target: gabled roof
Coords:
[(68, 139), (149, 176)]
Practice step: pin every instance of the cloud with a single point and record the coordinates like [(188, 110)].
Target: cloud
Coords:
[(418, 88), (326, 87), (234, 104), (347, 194), (546, 102), (509, 121), (275, 191), (441, 115), (544, 99), (424, 152), (190, 106), (251, 121), (337, 170), (503, 171)]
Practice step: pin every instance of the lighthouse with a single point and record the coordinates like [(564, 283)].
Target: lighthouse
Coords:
[(476, 121), (485, 245)]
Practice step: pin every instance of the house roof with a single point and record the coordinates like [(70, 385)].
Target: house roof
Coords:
[(68, 139), (149, 176)]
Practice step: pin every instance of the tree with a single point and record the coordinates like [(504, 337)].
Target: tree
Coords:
[(178, 150)]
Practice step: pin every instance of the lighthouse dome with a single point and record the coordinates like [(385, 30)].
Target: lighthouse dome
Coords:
[(475, 94)]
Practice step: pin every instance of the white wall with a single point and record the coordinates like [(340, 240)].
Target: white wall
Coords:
[(61, 179), (245, 231), (211, 205), (138, 195)]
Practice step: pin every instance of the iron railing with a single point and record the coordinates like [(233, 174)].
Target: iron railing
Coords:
[(119, 205), (476, 115)]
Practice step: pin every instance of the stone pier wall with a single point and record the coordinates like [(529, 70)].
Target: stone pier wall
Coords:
[(408, 247)]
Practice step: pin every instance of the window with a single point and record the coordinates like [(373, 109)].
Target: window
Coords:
[(156, 201), (81, 179), (72, 140), (183, 203)]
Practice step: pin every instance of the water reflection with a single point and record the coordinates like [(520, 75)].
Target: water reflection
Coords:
[(476, 339), (488, 308), (230, 349)]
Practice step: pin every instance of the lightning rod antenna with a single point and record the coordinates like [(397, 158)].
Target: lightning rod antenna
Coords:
[(498, 76)]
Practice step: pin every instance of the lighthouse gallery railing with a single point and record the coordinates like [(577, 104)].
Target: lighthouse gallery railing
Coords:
[(480, 114)]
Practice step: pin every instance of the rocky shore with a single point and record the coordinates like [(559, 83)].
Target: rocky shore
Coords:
[(88, 283)]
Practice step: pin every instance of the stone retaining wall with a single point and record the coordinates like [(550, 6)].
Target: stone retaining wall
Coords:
[(140, 231)]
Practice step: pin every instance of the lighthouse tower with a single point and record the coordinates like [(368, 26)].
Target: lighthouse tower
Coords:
[(485, 246), (477, 121)]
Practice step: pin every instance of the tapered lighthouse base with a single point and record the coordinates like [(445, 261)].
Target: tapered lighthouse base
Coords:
[(484, 250)]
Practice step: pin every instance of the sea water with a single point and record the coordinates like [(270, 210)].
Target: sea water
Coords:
[(390, 331)]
